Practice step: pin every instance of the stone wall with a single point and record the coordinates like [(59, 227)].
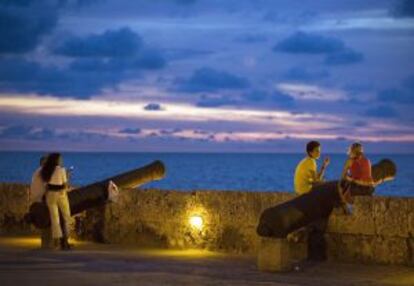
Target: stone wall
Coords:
[(380, 230), (14, 203)]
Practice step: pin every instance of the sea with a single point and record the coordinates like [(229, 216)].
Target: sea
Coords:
[(254, 172)]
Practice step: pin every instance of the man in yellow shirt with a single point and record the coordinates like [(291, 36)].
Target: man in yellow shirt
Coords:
[(306, 173)]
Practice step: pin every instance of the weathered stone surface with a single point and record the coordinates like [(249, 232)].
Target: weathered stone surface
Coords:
[(359, 222), (391, 216), (368, 249), (14, 203)]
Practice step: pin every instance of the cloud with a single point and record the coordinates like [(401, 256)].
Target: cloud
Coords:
[(210, 101), (208, 79), (310, 92), (344, 57), (282, 99), (396, 96), (26, 132), (153, 107), (382, 111), (24, 23), (303, 74), (122, 43), (409, 83), (22, 76), (130, 131), (147, 60), (403, 95), (335, 50), (15, 131), (185, 2), (251, 38), (84, 76), (403, 9), (303, 43), (256, 95)]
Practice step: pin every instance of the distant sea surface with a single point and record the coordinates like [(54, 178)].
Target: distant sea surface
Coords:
[(202, 171)]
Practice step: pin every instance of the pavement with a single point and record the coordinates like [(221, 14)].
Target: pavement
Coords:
[(22, 262)]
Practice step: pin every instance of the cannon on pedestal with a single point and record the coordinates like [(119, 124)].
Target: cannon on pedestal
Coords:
[(96, 194), (280, 220)]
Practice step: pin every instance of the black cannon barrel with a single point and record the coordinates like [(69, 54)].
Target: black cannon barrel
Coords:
[(280, 220), (96, 194)]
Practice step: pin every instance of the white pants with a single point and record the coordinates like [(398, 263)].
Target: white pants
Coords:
[(58, 201)]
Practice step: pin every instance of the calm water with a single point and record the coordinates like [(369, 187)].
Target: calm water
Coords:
[(187, 171)]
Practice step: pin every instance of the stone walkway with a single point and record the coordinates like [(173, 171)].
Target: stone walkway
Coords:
[(22, 263)]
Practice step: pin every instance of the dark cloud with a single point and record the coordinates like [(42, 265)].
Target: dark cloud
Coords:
[(170, 131), (24, 23), (303, 74), (251, 38), (344, 57), (16, 131), (185, 2), (130, 131), (360, 123), (122, 43), (303, 43), (403, 95), (256, 95), (409, 83), (278, 98), (26, 132), (382, 111), (208, 79), (210, 101), (146, 60), (98, 64), (403, 9), (153, 107), (185, 54), (282, 100), (17, 75), (396, 96), (334, 49)]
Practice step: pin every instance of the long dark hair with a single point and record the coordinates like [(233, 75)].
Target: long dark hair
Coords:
[(48, 168)]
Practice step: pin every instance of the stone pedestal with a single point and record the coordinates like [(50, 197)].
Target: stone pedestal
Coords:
[(279, 255), (273, 255), (46, 238)]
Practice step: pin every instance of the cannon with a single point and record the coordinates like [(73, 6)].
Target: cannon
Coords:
[(96, 194), (282, 219)]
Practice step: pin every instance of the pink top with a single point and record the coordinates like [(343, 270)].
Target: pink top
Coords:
[(360, 169)]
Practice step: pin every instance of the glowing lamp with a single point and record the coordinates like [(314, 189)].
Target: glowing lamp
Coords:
[(196, 221)]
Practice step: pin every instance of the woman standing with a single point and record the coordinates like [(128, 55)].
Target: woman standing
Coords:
[(54, 176)]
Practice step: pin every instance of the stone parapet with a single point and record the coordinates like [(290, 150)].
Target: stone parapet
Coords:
[(380, 230)]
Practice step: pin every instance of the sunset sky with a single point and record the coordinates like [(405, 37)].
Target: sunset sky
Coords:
[(206, 75)]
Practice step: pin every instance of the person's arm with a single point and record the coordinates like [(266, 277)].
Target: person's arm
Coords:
[(347, 165), (319, 176), (64, 177)]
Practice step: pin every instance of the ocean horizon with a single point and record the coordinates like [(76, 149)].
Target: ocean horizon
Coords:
[(190, 171)]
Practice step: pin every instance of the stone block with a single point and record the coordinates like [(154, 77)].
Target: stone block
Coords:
[(359, 222), (391, 216), (273, 255)]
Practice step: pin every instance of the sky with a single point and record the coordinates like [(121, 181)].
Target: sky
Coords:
[(206, 75)]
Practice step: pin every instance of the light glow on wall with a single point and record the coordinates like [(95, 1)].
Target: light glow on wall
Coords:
[(196, 221)]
